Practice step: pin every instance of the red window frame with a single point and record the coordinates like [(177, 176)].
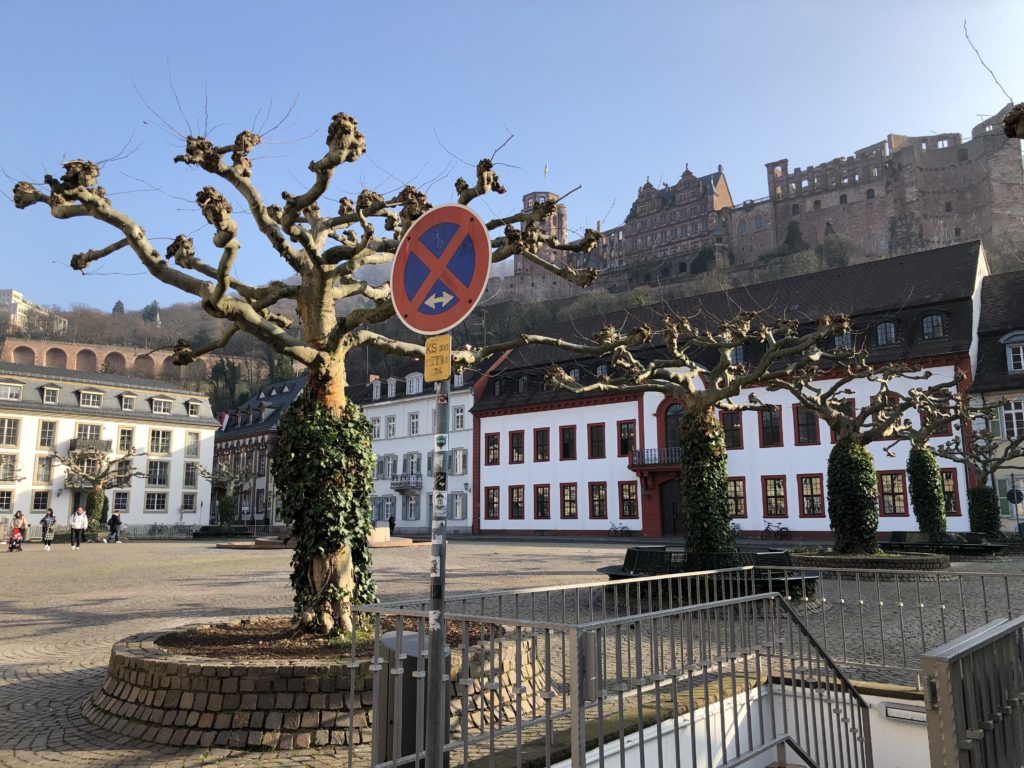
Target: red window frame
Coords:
[(601, 443), (598, 514), (633, 496), (902, 475), (797, 410), (629, 437), (538, 513), (546, 432), (764, 497), (726, 431), (950, 474), (742, 481), (802, 498), (513, 514), (562, 488), (777, 410), (512, 447), (492, 503), (492, 445), (562, 432)]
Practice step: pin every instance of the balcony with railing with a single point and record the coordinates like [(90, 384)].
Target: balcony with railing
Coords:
[(656, 457), (91, 444), (406, 482)]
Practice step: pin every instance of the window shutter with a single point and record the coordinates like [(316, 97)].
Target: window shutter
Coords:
[(380, 467), (1005, 508), (995, 424), (430, 462)]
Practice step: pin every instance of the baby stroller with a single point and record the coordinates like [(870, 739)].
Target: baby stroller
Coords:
[(14, 543)]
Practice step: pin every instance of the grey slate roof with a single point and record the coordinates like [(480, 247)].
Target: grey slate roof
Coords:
[(111, 386), (1002, 312), (901, 289), (277, 397)]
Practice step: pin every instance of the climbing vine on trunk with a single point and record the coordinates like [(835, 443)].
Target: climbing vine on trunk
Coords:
[(852, 497), (704, 478), (927, 496), (323, 468)]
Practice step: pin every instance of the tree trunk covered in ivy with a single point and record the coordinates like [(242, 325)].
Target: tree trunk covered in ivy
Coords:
[(703, 484), (852, 497), (926, 493), (323, 468), (95, 508), (983, 510)]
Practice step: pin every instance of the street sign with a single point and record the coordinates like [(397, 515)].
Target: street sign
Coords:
[(1015, 496), (440, 269), (437, 364)]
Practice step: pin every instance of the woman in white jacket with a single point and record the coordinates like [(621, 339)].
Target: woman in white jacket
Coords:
[(79, 524)]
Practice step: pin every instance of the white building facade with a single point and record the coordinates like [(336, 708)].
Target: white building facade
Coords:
[(46, 411), (401, 411)]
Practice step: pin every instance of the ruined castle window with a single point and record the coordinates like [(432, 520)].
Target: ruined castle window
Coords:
[(949, 207), (742, 228), (778, 191), (956, 232), (924, 145), (961, 154), (874, 172), (856, 177), (795, 209), (804, 184), (693, 228), (842, 199), (778, 171), (792, 186), (758, 222), (932, 327), (942, 143), (817, 205), (846, 179), (885, 334), (682, 267), (870, 194)]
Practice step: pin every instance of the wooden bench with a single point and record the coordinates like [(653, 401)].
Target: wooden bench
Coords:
[(949, 544)]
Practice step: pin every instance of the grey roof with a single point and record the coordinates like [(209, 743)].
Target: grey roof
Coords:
[(275, 397), (1002, 312), (69, 384), (901, 289)]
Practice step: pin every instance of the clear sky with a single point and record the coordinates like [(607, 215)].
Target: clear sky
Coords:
[(603, 94)]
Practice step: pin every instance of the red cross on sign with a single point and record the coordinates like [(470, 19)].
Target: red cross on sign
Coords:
[(441, 269)]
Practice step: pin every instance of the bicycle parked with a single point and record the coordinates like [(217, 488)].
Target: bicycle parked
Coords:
[(620, 529), (774, 530)]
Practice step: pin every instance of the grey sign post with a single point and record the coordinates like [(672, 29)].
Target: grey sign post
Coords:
[(437, 703), (1015, 496)]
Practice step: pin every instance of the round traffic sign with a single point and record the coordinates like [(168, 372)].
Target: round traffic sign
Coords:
[(1015, 496), (440, 269)]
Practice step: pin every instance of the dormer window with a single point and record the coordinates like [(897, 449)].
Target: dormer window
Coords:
[(737, 355), (843, 341), (375, 389), (574, 374), (521, 385), (161, 405), (392, 387), (498, 387), (457, 379), (127, 402), (50, 395), (1014, 343), (193, 409), (933, 327), (602, 369), (885, 334), (90, 399), (11, 392), (414, 384)]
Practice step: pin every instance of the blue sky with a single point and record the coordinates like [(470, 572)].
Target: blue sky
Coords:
[(604, 94)]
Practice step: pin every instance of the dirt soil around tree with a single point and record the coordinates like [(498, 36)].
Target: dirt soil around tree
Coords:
[(275, 638)]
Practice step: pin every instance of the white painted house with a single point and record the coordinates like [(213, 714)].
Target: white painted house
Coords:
[(550, 461), (45, 410), (401, 411)]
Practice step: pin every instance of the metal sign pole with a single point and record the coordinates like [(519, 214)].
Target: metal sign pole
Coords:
[(1016, 506), (437, 700)]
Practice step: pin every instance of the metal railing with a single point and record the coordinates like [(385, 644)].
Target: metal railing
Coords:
[(717, 683), (875, 624), (974, 691), (406, 482), (656, 456)]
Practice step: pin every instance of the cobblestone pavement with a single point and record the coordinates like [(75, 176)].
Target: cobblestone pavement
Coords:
[(62, 610)]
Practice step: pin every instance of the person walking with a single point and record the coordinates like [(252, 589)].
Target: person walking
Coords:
[(19, 532), (79, 523), (49, 522), (114, 523)]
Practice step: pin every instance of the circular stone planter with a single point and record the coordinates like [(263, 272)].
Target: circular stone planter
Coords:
[(905, 561), (153, 695)]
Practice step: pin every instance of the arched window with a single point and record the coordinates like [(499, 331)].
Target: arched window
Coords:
[(673, 420), (885, 334), (932, 327), (870, 194)]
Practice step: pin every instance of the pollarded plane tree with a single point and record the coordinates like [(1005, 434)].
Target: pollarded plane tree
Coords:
[(697, 364), (826, 390), (323, 466), (92, 467), (983, 453)]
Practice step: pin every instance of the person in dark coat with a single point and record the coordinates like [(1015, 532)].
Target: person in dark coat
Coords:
[(114, 523)]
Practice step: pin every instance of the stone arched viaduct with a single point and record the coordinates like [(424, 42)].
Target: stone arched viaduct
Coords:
[(131, 361)]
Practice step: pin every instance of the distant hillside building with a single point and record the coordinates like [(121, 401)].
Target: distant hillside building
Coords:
[(25, 317), (900, 195)]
